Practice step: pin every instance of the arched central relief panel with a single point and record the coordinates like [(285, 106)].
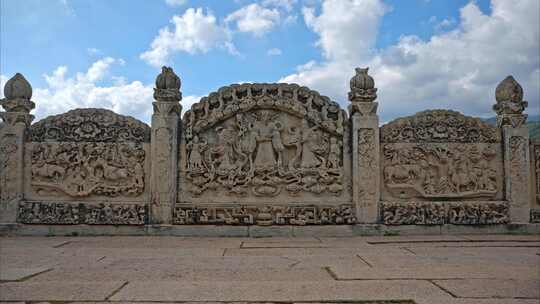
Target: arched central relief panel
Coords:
[(440, 166), (264, 154)]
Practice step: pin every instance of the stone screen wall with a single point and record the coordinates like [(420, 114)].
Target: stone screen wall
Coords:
[(267, 154)]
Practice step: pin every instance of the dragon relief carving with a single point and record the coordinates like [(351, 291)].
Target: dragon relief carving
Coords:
[(82, 169), (90, 125), (80, 213), (438, 213), (265, 215), (440, 170), (439, 126), (261, 139)]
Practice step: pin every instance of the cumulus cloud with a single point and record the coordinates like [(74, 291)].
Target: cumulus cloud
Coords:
[(254, 19), (83, 90), (193, 32), (456, 69)]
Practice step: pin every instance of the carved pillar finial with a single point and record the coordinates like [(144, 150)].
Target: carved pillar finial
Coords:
[(365, 130), (363, 93), (164, 145), (510, 104), (17, 118), (167, 86), (510, 118)]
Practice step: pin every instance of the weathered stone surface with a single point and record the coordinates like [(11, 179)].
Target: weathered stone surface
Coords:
[(80, 213), (258, 155), (263, 142), (265, 216)]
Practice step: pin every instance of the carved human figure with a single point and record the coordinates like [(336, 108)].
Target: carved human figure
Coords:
[(196, 150), (309, 142), (334, 154), (268, 143)]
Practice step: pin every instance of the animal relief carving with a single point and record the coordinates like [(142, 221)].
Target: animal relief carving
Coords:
[(440, 170), (83, 169)]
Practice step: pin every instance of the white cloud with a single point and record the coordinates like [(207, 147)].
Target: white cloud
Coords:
[(274, 52), (285, 4), (457, 69), (175, 2), (254, 19), (193, 32), (83, 90)]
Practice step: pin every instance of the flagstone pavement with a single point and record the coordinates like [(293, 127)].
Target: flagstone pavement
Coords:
[(479, 269)]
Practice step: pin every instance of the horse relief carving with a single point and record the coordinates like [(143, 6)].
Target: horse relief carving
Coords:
[(440, 170), (251, 146), (83, 169)]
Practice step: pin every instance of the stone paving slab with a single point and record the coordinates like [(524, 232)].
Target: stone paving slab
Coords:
[(432, 272), (58, 290), (427, 269), (312, 251), (9, 273), (492, 288), (278, 291), (185, 273)]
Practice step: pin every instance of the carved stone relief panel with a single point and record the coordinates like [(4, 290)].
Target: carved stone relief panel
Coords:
[(442, 171), (367, 165), (438, 213), (263, 141), (439, 126), (84, 169), (8, 164), (79, 213), (265, 215), (90, 125), (535, 215), (441, 154), (518, 166), (535, 165)]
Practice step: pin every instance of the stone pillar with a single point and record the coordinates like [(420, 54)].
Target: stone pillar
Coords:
[(13, 131), (164, 146), (510, 118), (365, 141)]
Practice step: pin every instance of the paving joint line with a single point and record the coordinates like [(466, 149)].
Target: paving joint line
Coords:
[(331, 273), (443, 289), (364, 260), (61, 244), (117, 290), (408, 250)]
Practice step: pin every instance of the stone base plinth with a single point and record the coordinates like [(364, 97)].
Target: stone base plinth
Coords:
[(264, 231)]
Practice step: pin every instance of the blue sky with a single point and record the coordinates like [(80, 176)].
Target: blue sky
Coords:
[(422, 53)]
